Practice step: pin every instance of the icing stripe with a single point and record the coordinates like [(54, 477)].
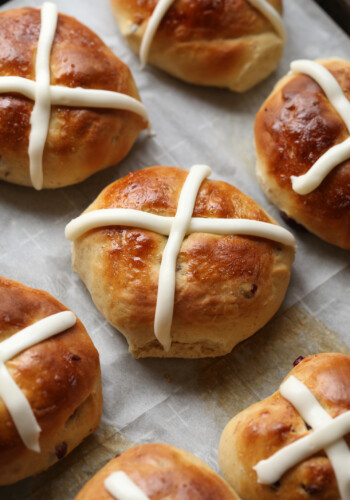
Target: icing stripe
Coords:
[(152, 26), (305, 184), (75, 97), (272, 15), (160, 224), (94, 98), (163, 6), (243, 227), (18, 85), (121, 487), (167, 271), (40, 116), (36, 333), (20, 410), (327, 435), (328, 84), (14, 399), (117, 217)]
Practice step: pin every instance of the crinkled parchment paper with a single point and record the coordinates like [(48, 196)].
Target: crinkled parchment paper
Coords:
[(184, 403)]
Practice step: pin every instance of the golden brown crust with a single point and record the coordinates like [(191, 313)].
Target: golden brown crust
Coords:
[(227, 287), (80, 141), (60, 378), (161, 471), (294, 127), (207, 42), (262, 429)]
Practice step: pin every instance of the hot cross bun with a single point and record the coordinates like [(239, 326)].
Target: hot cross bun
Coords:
[(302, 134), (222, 284), (60, 120), (221, 43), (256, 451), (50, 392)]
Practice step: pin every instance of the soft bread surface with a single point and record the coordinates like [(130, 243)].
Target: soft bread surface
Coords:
[(216, 43), (161, 471), (295, 126), (262, 429), (60, 377), (80, 141), (227, 287)]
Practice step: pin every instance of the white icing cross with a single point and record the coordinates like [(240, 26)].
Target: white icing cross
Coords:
[(308, 182), (328, 435), (14, 399), (45, 95), (163, 5), (176, 228), (119, 485)]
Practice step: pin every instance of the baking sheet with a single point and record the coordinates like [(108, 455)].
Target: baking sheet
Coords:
[(182, 402)]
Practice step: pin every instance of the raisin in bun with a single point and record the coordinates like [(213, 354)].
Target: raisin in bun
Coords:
[(161, 471), (60, 378), (80, 138), (231, 43), (226, 286), (298, 126), (273, 424)]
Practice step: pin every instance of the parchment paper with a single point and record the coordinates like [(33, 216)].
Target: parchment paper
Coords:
[(181, 402)]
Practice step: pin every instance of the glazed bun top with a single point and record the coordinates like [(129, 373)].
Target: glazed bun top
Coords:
[(161, 471), (79, 58), (188, 20)]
